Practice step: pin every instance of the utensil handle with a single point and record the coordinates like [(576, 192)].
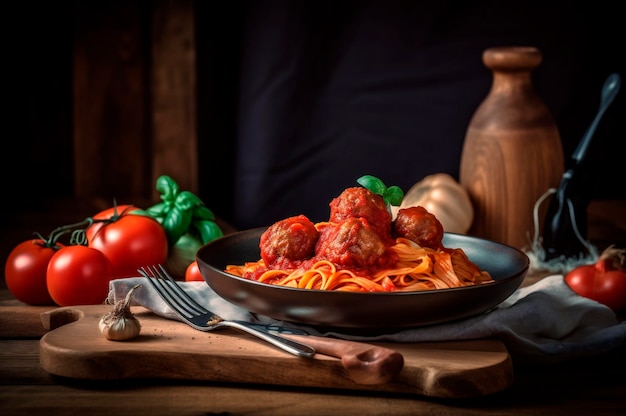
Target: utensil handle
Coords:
[(365, 363), (301, 349), (609, 91)]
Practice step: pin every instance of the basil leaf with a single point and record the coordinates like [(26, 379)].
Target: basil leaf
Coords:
[(372, 183), (158, 210), (176, 223), (201, 212), (180, 210), (167, 187), (186, 201), (393, 195), (208, 230)]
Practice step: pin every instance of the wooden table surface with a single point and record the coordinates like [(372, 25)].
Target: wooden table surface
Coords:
[(594, 386)]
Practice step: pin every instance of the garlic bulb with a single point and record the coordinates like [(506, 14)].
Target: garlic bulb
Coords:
[(120, 324), (443, 197)]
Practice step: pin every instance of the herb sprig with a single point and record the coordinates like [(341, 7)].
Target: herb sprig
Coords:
[(392, 195)]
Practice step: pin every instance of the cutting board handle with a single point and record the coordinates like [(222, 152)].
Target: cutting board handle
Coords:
[(365, 363)]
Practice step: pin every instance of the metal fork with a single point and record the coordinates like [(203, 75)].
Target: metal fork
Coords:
[(202, 319)]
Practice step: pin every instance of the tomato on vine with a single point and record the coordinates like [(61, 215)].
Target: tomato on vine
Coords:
[(26, 266), (25, 271), (129, 238), (78, 275)]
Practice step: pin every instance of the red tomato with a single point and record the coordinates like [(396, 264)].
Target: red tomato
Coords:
[(192, 274), (600, 283), (79, 275), (129, 241), (25, 272)]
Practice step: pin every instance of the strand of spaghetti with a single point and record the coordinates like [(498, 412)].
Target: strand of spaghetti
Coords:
[(418, 285), (418, 260), (392, 274), (325, 276), (419, 280), (312, 279), (272, 275), (437, 282), (247, 267), (340, 279), (328, 276), (363, 283), (315, 277), (408, 273), (350, 287), (303, 279), (235, 269), (443, 270), (410, 255), (424, 266), (290, 280), (467, 270), (405, 280)]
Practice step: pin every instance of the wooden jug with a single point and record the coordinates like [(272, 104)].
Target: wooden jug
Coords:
[(512, 152)]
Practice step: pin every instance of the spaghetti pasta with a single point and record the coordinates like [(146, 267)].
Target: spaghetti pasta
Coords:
[(418, 268)]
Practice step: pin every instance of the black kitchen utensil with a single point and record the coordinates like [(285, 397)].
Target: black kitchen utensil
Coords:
[(565, 228)]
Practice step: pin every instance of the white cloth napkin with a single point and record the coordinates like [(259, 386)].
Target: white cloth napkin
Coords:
[(543, 323)]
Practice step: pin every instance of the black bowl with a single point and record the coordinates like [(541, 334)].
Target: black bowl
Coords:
[(363, 310)]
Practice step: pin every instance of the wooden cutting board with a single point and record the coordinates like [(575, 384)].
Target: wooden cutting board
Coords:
[(74, 347)]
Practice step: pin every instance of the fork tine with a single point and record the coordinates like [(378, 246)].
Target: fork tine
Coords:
[(184, 296), (164, 289)]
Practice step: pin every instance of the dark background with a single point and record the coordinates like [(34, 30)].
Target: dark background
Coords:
[(271, 77), (327, 91)]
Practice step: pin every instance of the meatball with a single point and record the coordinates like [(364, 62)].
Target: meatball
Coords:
[(290, 239), (360, 202), (420, 226), (350, 243)]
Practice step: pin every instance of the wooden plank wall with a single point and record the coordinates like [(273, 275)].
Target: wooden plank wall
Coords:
[(134, 97), (173, 89)]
